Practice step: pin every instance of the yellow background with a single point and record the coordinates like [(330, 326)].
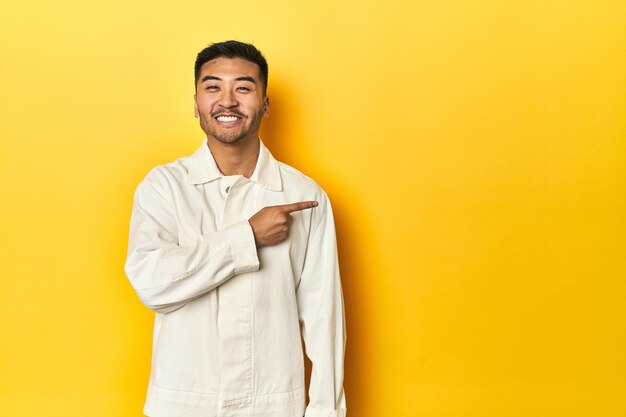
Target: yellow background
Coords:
[(474, 152)]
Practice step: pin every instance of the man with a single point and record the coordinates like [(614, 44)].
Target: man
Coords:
[(236, 253)]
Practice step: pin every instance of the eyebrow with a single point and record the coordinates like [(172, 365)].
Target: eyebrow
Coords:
[(242, 78)]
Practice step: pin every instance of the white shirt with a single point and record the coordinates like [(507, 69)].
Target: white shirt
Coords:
[(229, 315)]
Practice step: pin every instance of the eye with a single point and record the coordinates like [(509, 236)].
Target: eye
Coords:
[(244, 89), (212, 87)]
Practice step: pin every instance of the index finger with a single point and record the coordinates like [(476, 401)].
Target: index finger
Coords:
[(301, 205)]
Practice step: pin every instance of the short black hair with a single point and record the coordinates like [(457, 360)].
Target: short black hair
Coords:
[(232, 49)]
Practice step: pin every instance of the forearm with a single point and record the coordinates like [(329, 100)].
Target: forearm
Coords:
[(167, 276)]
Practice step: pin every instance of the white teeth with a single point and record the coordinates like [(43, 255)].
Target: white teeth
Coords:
[(227, 118)]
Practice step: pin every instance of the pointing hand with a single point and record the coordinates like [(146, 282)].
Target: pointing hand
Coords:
[(271, 224)]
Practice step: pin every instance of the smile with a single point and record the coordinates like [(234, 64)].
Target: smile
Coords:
[(227, 118)]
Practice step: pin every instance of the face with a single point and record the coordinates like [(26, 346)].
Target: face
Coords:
[(229, 100)]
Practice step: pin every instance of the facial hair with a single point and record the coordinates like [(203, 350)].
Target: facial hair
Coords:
[(230, 136)]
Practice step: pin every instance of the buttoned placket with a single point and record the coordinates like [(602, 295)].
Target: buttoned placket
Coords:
[(235, 313)]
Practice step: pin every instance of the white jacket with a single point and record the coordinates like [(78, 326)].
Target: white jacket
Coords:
[(229, 315)]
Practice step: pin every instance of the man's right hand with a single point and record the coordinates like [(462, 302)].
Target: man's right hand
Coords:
[(271, 224)]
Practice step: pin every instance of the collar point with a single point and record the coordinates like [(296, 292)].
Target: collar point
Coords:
[(276, 186)]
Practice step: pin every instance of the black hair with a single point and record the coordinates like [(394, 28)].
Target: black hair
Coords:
[(232, 49)]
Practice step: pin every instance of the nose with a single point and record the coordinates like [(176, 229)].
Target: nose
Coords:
[(227, 99)]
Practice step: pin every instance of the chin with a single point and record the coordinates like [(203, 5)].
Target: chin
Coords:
[(228, 140)]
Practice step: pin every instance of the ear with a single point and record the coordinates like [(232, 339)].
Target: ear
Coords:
[(266, 107), (196, 113)]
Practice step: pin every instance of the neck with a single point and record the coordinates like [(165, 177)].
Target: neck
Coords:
[(235, 158)]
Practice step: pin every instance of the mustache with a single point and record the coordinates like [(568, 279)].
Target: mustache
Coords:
[(228, 113)]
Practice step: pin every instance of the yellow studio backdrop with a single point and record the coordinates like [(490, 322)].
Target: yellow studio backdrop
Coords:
[(474, 153)]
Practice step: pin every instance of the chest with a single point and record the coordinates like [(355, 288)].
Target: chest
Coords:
[(206, 208)]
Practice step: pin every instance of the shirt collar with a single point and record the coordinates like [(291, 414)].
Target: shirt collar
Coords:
[(203, 168)]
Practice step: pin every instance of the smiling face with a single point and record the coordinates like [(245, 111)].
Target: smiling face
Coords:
[(229, 100)]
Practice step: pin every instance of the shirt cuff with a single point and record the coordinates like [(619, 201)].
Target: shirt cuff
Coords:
[(319, 412), (243, 247)]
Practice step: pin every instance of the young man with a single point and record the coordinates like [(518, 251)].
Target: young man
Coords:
[(236, 253)]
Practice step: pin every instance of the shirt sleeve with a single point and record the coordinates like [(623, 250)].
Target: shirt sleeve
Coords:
[(166, 275), (322, 318)]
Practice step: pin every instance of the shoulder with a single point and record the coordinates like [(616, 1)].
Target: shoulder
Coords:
[(294, 180), (165, 178), (301, 187)]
